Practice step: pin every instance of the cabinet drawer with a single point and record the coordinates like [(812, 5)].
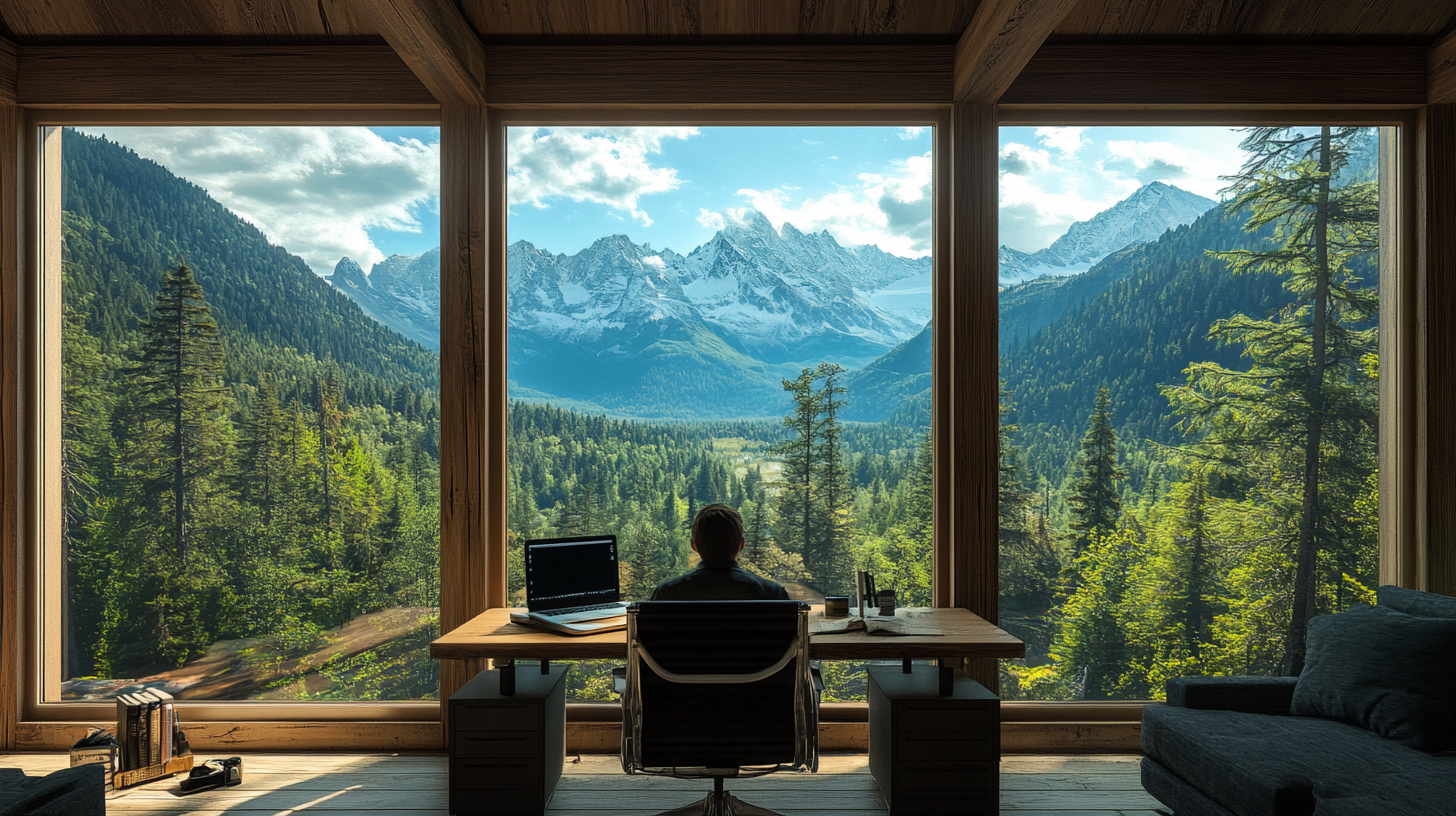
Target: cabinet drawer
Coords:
[(962, 777), (525, 716), (496, 774), (944, 746), (524, 744), (978, 803), (496, 802), (930, 716)]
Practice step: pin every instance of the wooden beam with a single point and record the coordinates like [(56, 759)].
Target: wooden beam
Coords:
[(256, 735), (465, 397), (323, 77), (709, 75), (1002, 36), (437, 43), (1252, 75), (970, 341), (1437, 245), (1441, 71), (10, 453)]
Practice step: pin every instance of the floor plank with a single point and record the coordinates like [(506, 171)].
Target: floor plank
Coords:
[(594, 785)]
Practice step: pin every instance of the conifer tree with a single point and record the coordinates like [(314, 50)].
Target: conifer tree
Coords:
[(827, 555), (1302, 408), (795, 505), (1096, 505)]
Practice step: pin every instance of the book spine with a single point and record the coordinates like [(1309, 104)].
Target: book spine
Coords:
[(167, 726), (154, 734), (133, 737), (121, 725)]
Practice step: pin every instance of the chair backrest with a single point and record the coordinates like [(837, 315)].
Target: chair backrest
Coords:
[(718, 684)]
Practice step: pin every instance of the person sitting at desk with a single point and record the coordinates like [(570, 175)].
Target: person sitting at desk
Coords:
[(717, 539)]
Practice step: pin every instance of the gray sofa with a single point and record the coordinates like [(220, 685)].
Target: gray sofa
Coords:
[(1350, 737), (78, 791)]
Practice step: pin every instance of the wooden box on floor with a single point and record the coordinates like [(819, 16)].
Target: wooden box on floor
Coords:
[(506, 752), (932, 754)]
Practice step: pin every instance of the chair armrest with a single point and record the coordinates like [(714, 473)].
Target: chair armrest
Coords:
[(1251, 695)]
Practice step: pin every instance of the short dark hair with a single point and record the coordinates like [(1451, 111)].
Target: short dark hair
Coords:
[(718, 530)]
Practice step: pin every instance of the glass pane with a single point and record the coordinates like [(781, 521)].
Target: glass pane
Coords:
[(723, 314), (1190, 402), (250, 412)]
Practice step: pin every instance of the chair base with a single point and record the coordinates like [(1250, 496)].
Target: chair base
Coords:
[(720, 804)]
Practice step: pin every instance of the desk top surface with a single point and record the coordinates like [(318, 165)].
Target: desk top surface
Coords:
[(491, 634)]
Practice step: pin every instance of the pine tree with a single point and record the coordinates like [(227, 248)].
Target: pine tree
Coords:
[(827, 554), (1302, 409), (795, 507), (179, 378), (1096, 505)]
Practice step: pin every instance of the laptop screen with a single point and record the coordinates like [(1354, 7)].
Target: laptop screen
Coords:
[(562, 572)]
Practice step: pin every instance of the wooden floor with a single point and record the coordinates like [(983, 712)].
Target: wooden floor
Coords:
[(594, 785)]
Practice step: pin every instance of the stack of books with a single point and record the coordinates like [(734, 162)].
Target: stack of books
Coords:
[(146, 725)]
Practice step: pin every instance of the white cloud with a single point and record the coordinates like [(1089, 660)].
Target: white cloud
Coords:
[(1194, 166), (653, 260), (910, 134), (314, 190), (609, 166), (1031, 217), (1023, 160), (1064, 140), (891, 210), (711, 220)]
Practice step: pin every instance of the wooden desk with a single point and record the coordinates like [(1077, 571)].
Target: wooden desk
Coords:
[(492, 635)]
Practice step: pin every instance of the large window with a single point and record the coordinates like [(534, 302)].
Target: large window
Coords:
[(249, 483), (1190, 401), (723, 314)]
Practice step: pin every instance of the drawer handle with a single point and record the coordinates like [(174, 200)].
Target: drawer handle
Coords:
[(470, 764), (496, 739)]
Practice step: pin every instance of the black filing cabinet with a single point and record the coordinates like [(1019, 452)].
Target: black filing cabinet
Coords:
[(930, 753), (506, 751)]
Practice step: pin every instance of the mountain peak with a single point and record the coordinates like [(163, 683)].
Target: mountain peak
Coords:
[(1149, 212), (347, 269)]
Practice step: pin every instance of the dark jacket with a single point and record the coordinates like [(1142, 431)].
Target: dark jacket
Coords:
[(719, 581)]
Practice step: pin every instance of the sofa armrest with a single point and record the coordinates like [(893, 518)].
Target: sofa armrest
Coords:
[(1251, 695)]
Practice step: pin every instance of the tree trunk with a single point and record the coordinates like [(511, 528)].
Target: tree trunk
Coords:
[(1305, 584)]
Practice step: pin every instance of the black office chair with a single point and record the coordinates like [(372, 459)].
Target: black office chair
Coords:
[(719, 689)]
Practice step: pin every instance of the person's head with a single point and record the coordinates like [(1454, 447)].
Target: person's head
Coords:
[(717, 533)]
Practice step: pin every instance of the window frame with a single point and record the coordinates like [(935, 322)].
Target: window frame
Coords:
[(1403, 540), (40, 307)]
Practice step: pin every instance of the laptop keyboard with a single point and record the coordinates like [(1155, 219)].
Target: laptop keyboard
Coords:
[(575, 610)]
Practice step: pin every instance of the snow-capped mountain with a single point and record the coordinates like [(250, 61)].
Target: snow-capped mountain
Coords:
[(402, 292), (1141, 217)]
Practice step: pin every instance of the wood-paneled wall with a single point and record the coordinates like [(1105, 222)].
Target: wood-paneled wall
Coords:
[(1438, 246), (10, 345)]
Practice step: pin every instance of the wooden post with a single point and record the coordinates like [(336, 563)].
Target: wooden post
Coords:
[(1437, 219), (974, 420), (464, 371)]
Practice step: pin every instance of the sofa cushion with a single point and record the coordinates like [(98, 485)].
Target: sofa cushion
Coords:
[(1383, 670), (1255, 695), (1427, 790), (1415, 602), (1266, 765)]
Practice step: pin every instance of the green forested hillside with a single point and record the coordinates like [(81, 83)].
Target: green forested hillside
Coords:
[(1136, 334), (127, 218)]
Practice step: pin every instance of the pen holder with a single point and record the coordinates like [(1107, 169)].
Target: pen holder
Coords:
[(887, 602)]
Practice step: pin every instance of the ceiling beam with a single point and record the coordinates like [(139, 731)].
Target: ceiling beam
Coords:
[(436, 42), (1441, 70), (1001, 39)]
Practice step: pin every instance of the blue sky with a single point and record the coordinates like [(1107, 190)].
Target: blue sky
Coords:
[(373, 192)]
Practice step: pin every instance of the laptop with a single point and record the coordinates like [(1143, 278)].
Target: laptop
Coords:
[(573, 580)]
